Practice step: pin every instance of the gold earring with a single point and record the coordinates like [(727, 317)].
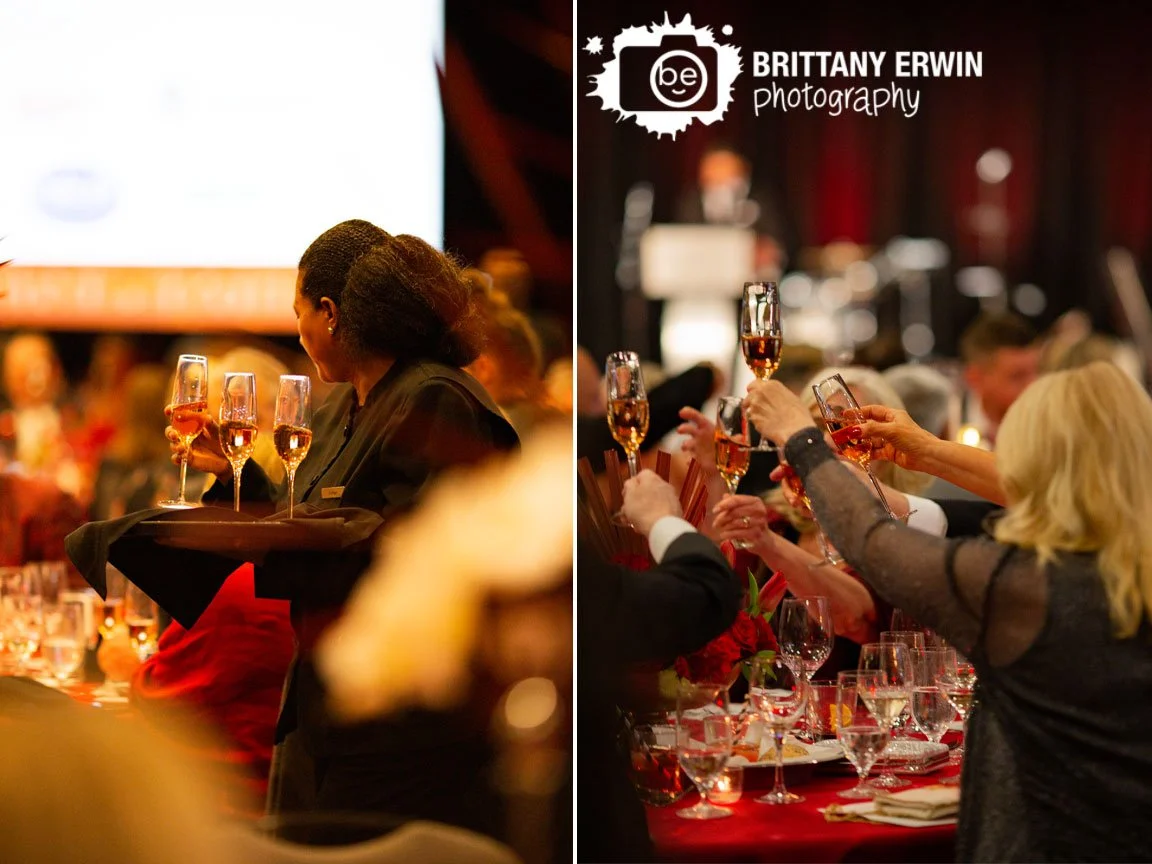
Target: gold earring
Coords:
[(331, 329)]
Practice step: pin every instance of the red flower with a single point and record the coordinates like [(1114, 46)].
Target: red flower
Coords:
[(744, 632), (765, 638), (713, 662)]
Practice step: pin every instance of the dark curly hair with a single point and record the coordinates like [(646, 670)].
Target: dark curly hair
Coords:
[(398, 296)]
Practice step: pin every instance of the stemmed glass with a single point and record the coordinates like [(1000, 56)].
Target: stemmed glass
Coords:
[(889, 697), (733, 446), (761, 336), (805, 635), (627, 404), (64, 639), (959, 685), (188, 414), (862, 736), (902, 622), (842, 417), (21, 613), (931, 710), (238, 423), (913, 640), (292, 432), (779, 695), (703, 741), (794, 483)]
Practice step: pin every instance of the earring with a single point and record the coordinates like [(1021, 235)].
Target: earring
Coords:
[(331, 329)]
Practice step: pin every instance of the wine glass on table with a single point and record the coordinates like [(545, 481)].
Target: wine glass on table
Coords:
[(931, 710), (140, 615), (21, 614), (761, 335), (779, 694), (888, 698), (914, 641), (901, 622), (862, 736), (704, 741), (733, 446), (792, 480), (806, 636), (292, 430), (959, 685), (188, 414), (842, 418), (238, 423), (64, 639)]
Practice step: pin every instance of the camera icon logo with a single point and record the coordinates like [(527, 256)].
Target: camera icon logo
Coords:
[(667, 76), (676, 75)]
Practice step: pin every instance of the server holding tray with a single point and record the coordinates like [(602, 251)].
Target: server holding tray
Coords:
[(391, 321)]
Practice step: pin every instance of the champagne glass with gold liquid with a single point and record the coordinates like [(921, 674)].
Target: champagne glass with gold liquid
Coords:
[(188, 412), (792, 480), (761, 335), (733, 446), (238, 423), (292, 432), (627, 404), (842, 418)]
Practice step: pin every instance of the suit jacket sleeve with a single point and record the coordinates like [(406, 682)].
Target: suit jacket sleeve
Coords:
[(678, 606)]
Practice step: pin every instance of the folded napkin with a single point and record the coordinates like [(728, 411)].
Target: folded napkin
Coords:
[(924, 802)]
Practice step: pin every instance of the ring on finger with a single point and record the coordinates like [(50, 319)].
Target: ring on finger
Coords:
[(747, 522)]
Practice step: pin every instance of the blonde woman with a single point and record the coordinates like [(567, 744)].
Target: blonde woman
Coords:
[(1054, 612)]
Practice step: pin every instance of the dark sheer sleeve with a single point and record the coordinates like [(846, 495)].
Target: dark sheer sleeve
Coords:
[(980, 595)]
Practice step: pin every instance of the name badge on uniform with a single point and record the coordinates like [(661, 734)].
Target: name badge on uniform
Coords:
[(332, 492)]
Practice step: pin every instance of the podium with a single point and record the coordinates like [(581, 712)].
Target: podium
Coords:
[(699, 272)]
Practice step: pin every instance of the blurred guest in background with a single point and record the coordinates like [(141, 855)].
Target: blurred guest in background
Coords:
[(510, 365), (34, 424), (135, 472), (35, 517), (1001, 358), (100, 396), (512, 276)]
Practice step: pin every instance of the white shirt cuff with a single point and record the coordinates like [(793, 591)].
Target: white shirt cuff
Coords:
[(664, 534), (927, 516)]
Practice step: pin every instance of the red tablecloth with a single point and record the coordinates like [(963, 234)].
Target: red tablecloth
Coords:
[(795, 832)]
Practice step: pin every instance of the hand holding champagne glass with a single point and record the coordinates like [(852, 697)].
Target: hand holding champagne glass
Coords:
[(238, 423), (627, 404), (761, 335), (733, 446), (792, 482), (842, 416), (188, 413), (292, 432)]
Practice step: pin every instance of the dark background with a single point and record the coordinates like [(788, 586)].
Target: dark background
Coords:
[(1065, 90)]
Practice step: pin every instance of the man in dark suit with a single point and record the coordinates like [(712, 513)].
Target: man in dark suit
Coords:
[(626, 616)]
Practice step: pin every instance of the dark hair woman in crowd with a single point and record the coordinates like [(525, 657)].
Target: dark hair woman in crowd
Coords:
[(391, 321)]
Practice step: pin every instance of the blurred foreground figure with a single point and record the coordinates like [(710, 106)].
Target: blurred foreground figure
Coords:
[(82, 786), (447, 618)]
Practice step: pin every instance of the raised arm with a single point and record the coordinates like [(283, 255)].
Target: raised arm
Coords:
[(896, 438)]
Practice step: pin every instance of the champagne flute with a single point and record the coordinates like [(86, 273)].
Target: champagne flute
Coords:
[(859, 732), (780, 695), (627, 404), (959, 685), (189, 414), (889, 697), (733, 453), (703, 741), (238, 423), (793, 481), (292, 431), (842, 416), (761, 336)]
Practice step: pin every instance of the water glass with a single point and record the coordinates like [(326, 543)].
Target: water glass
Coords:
[(862, 736), (64, 639), (703, 741)]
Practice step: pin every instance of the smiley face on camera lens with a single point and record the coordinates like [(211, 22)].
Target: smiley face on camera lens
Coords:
[(678, 78)]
